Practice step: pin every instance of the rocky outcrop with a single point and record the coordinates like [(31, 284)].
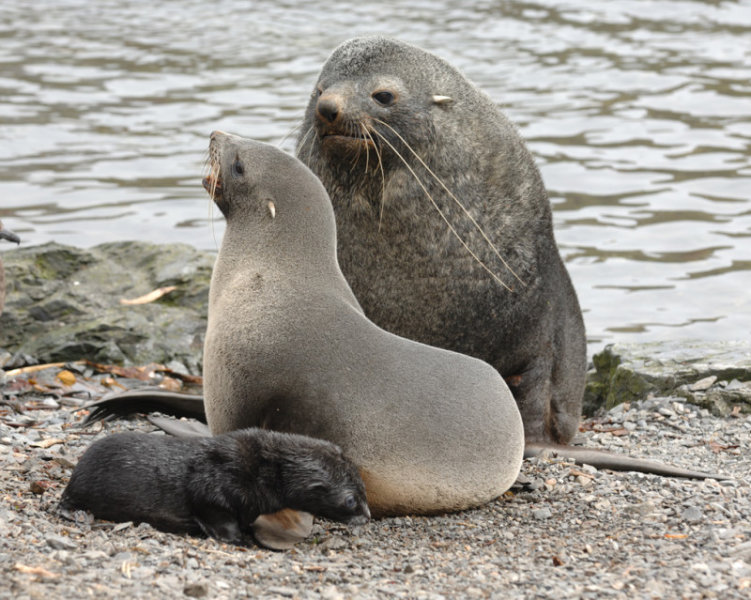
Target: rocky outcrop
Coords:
[(715, 375), (63, 303)]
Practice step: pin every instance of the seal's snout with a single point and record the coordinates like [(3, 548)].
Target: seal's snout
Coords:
[(328, 108)]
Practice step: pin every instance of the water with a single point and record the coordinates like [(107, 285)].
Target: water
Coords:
[(639, 114)]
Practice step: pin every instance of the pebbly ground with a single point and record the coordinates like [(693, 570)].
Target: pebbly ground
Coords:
[(568, 532)]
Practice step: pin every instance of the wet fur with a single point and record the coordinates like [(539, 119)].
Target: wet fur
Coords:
[(214, 485), (408, 269)]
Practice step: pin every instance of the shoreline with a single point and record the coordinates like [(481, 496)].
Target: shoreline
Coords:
[(567, 532)]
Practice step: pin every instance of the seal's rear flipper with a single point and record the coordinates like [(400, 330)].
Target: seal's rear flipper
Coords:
[(181, 429), (145, 400), (602, 459), (283, 529)]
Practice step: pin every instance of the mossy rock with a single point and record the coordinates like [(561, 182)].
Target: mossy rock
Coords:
[(629, 372), (63, 303)]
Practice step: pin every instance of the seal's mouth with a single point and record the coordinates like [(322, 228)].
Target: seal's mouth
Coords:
[(340, 138), (213, 184)]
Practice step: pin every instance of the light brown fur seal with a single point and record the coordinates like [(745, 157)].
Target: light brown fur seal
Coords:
[(390, 125), (12, 237), (288, 348)]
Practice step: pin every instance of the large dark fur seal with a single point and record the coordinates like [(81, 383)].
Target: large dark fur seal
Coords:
[(408, 149), (11, 237), (217, 486)]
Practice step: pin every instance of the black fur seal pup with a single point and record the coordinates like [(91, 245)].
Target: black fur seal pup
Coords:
[(444, 225), (288, 348), (217, 486), (5, 234)]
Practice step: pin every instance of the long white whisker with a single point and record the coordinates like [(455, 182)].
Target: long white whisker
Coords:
[(455, 199), (383, 177), (435, 205)]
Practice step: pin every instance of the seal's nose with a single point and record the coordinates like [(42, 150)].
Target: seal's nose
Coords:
[(328, 108)]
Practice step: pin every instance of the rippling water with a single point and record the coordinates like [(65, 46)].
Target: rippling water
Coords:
[(639, 114)]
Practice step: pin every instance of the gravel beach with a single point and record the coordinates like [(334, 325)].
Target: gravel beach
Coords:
[(566, 532)]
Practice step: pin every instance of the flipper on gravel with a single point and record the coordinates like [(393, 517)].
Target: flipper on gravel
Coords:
[(602, 459), (145, 400)]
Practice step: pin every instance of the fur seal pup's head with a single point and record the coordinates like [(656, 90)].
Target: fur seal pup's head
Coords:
[(316, 477)]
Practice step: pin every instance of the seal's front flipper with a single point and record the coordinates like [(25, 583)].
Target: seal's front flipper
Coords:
[(283, 529), (145, 400)]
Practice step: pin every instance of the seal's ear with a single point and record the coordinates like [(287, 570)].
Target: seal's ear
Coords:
[(440, 100)]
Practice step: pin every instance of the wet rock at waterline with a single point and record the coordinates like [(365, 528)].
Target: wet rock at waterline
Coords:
[(64, 303), (715, 375)]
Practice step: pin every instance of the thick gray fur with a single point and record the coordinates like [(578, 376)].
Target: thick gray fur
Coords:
[(407, 270), (213, 485)]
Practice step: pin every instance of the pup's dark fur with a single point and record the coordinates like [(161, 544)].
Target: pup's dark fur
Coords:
[(215, 485)]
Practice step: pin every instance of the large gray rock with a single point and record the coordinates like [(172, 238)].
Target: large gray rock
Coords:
[(63, 303), (716, 375)]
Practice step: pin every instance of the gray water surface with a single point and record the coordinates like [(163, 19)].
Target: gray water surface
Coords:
[(639, 114)]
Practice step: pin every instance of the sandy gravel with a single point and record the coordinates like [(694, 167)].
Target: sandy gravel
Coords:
[(569, 532)]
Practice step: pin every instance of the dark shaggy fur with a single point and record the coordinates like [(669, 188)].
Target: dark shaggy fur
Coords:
[(215, 485)]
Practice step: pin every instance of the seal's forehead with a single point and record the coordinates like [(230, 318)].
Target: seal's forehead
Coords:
[(362, 55)]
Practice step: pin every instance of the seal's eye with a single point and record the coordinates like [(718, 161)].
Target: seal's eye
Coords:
[(237, 168), (350, 503), (384, 98), (317, 92)]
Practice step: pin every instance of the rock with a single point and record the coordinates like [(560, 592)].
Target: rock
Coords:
[(690, 370), (692, 514), (64, 303), (57, 542), (703, 384), (542, 513), (196, 590)]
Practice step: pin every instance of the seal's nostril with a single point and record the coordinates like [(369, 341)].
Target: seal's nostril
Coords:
[(328, 109)]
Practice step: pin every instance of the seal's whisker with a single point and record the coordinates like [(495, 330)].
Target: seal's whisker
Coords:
[(443, 216), (364, 133), (367, 133), (455, 199), (288, 134), (302, 143)]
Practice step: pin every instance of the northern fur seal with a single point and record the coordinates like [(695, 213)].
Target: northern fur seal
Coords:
[(415, 159), (11, 237), (217, 486), (288, 348)]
